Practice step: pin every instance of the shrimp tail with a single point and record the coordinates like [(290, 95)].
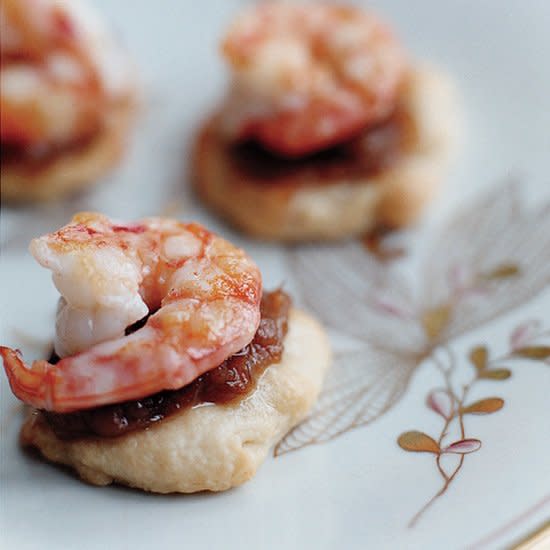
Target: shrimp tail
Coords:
[(31, 384)]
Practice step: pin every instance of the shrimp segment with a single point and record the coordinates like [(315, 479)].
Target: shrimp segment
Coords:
[(57, 67), (204, 295), (307, 76)]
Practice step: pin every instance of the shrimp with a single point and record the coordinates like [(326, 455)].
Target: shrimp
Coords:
[(202, 293), (308, 76), (53, 87)]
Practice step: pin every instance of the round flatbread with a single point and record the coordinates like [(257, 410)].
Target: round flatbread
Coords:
[(72, 170), (210, 447), (316, 205)]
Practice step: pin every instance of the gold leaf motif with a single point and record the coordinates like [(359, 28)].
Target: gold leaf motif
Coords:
[(484, 406), (418, 442), (492, 241), (503, 271), (496, 232), (495, 374), (533, 352), (478, 357), (375, 242), (435, 320)]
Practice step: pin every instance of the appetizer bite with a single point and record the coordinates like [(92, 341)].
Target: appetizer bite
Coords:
[(172, 370), (328, 129), (67, 96)]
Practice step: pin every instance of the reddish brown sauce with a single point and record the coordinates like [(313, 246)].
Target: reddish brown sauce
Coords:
[(233, 380), (376, 149), (37, 158)]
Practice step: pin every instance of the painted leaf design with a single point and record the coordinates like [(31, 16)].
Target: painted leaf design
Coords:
[(418, 442), (484, 406), (502, 271), (360, 387), (533, 352), (524, 333), (463, 447), (436, 320), (440, 401), (345, 287), (499, 236), (495, 374), (502, 245), (478, 357)]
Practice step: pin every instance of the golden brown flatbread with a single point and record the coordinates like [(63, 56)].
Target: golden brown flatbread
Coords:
[(72, 170), (210, 447), (316, 203)]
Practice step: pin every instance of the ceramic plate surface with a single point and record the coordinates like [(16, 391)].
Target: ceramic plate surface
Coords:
[(437, 434)]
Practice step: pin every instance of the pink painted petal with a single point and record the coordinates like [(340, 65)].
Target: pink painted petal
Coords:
[(523, 334), (386, 305), (440, 402), (459, 277), (463, 447)]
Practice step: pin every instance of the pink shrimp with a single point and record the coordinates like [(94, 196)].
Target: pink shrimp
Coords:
[(53, 87), (203, 294), (308, 76)]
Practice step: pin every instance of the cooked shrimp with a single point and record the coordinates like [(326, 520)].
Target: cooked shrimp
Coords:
[(307, 76), (202, 292), (55, 80)]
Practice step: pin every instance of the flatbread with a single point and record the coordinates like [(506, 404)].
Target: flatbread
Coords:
[(74, 169), (210, 447), (330, 207)]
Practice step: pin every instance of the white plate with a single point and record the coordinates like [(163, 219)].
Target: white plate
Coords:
[(359, 490)]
